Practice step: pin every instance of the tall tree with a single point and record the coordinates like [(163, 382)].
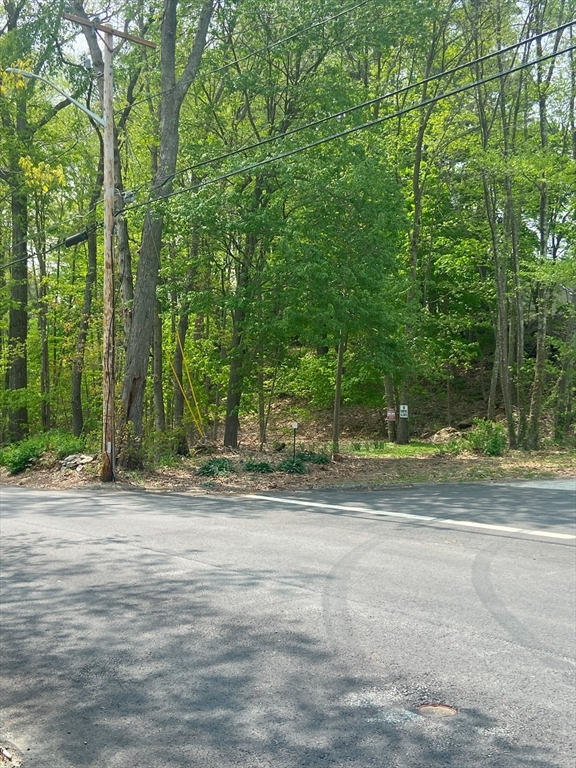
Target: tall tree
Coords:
[(174, 90), (28, 36)]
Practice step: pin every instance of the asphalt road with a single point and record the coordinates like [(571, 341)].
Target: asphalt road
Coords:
[(153, 630)]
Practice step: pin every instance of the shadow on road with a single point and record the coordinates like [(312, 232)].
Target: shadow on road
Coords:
[(112, 659), (511, 504)]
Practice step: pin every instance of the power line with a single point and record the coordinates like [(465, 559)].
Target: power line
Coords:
[(47, 230), (353, 129), (265, 48), (346, 131), (247, 56), (368, 103)]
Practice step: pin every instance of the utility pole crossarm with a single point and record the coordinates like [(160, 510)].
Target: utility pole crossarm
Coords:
[(106, 28)]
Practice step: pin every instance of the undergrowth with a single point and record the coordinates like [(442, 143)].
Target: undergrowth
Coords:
[(258, 467), (293, 466), (19, 456), (215, 466)]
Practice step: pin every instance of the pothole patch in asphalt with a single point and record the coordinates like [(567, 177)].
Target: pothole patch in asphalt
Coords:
[(436, 710), (386, 706)]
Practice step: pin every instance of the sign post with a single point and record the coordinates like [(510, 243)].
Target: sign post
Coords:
[(294, 427)]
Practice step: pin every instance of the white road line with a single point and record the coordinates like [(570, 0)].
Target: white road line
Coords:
[(342, 507), (417, 518), (473, 524), (552, 534)]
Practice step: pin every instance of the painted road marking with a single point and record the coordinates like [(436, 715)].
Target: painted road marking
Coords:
[(416, 518), (341, 506), (473, 524), (551, 534)]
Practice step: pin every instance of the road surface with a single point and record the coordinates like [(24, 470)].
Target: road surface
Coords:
[(156, 630)]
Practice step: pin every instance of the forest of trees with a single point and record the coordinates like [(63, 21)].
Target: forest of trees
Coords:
[(320, 199)]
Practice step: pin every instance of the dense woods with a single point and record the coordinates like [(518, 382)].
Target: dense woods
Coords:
[(337, 202)]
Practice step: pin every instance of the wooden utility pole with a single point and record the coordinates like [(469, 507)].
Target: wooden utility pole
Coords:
[(108, 471)]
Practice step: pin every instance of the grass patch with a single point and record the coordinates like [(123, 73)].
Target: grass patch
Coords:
[(383, 448), (19, 456), (64, 444)]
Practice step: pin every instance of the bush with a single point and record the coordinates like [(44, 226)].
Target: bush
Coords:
[(130, 452), (260, 467), (64, 444), (215, 466), (454, 447), (16, 458), (292, 466), (313, 458), (487, 437)]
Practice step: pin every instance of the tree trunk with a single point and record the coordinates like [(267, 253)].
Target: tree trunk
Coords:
[(178, 363), (513, 226), (500, 270), (338, 396), (390, 403), (533, 432), (268, 406), (45, 410), (261, 406), (544, 294), (235, 379), (403, 427), (17, 372), (157, 366), (173, 93), (491, 409), (565, 386), (78, 361)]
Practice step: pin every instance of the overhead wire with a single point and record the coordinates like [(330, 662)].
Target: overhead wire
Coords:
[(368, 103), (350, 130), (340, 134), (53, 227), (265, 48)]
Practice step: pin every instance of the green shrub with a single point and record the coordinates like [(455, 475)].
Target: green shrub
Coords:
[(215, 466), (313, 458), (131, 454), (163, 447), (16, 458), (487, 437), (260, 467), (64, 444), (292, 466), (454, 447)]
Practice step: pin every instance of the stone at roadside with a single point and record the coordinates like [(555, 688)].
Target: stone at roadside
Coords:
[(76, 460)]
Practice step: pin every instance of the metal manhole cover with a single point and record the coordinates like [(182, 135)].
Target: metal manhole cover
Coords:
[(437, 710)]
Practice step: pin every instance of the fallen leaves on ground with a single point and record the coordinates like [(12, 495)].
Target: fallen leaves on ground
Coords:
[(349, 471)]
